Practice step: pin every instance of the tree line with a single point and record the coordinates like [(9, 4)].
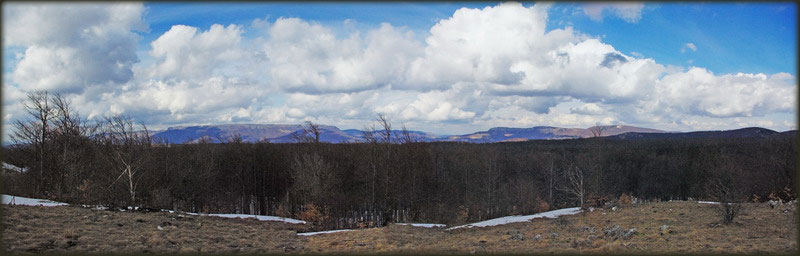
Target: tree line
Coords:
[(386, 178)]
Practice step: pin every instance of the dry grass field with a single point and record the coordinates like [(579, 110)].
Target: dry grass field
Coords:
[(667, 227)]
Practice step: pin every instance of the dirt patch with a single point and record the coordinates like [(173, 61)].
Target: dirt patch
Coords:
[(669, 227)]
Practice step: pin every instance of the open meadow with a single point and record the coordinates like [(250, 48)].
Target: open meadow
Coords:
[(665, 227)]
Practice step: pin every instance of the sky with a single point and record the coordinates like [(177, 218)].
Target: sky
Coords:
[(446, 68)]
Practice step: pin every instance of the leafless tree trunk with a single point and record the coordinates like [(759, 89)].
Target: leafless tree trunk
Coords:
[(309, 173), (551, 181), (597, 130), (36, 132), (575, 185), (309, 134), (127, 150), (406, 137), (386, 133)]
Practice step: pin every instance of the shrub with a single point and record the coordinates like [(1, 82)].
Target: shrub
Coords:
[(625, 199), (542, 206), (724, 191), (729, 211), (313, 214), (462, 214), (283, 212)]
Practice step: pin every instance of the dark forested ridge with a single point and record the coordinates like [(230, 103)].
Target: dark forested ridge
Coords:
[(387, 178)]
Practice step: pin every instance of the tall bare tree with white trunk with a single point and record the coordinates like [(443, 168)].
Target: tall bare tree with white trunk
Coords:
[(126, 148)]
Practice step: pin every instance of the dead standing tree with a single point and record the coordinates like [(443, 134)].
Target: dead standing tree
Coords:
[(126, 149)]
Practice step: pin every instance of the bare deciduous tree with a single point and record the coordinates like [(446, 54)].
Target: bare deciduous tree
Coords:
[(597, 130), (309, 134), (127, 150), (406, 136), (723, 188), (575, 185), (36, 132), (309, 174), (386, 132)]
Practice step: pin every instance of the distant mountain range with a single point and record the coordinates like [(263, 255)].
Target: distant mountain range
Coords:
[(738, 133), (283, 133)]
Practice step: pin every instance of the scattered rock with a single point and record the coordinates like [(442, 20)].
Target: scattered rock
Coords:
[(589, 229), (70, 243), (517, 237), (614, 208), (554, 235), (164, 225), (774, 203), (628, 234), (183, 217), (616, 232), (613, 231), (663, 227), (562, 222)]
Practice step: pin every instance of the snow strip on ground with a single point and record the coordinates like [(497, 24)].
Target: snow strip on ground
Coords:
[(323, 232), (18, 200), (14, 167), (424, 225), (709, 202), (244, 216), (518, 218)]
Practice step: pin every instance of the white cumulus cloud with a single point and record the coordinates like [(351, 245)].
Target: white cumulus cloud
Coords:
[(628, 11), (494, 66)]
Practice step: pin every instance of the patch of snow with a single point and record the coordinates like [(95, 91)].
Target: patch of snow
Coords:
[(709, 202), (12, 167), (424, 225), (95, 207), (518, 218), (245, 216), (323, 232), (18, 200)]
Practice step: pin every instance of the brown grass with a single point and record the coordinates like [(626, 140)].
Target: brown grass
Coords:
[(75, 229), (692, 228)]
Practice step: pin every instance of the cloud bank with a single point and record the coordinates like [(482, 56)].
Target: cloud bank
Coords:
[(495, 66)]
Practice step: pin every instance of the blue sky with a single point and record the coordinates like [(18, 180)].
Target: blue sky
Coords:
[(443, 67), (732, 37)]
